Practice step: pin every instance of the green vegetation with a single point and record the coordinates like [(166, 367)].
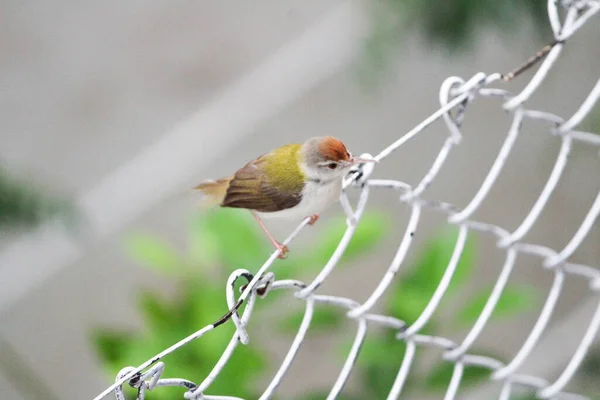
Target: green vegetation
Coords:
[(382, 353), (225, 240), (450, 27), (220, 243), (24, 206)]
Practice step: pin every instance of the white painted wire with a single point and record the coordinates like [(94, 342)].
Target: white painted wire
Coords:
[(455, 95)]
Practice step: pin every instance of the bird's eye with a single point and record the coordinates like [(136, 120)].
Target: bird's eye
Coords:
[(332, 165)]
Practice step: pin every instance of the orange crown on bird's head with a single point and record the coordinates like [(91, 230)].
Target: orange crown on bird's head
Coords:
[(333, 149)]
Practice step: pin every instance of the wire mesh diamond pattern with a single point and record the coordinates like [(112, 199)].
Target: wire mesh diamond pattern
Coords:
[(455, 95)]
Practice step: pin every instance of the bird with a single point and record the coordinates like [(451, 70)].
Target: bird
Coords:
[(291, 182)]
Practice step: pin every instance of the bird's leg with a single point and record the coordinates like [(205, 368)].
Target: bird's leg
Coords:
[(313, 219), (282, 248)]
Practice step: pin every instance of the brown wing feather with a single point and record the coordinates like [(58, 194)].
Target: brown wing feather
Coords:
[(251, 189)]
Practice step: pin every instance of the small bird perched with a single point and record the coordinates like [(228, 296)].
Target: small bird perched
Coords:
[(294, 181)]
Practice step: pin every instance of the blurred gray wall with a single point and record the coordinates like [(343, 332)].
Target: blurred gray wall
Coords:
[(86, 88)]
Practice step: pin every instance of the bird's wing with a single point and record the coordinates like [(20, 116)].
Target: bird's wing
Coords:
[(251, 188)]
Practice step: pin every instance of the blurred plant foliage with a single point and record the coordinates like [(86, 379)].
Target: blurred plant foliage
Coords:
[(382, 353), (23, 206), (587, 379), (225, 240), (451, 26), (220, 242), (592, 121)]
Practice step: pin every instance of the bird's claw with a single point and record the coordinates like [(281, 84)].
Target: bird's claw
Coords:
[(283, 250), (313, 219)]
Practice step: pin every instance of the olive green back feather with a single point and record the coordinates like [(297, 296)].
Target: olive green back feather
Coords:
[(272, 182), (283, 168)]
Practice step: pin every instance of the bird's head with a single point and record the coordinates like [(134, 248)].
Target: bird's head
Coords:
[(326, 158)]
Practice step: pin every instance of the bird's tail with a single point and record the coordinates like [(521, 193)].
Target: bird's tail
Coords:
[(213, 192)]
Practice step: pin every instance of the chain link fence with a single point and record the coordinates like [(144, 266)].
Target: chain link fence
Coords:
[(566, 17)]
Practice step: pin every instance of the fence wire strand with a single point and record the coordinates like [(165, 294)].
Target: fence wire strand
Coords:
[(455, 96)]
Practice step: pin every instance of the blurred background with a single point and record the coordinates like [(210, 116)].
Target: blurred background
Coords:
[(111, 110)]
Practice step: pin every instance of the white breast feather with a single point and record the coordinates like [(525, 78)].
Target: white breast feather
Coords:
[(316, 198)]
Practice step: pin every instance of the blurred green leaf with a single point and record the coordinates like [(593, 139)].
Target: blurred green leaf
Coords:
[(434, 258), (154, 309), (206, 301), (440, 376), (414, 289), (380, 378), (23, 205), (407, 302), (514, 299), (234, 236), (324, 319), (110, 345), (168, 321), (372, 227), (377, 366), (198, 302), (381, 348), (454, 25), (591, 364), (591, 123), (451, 28), (152, 252), (527, 397), (320, 395)]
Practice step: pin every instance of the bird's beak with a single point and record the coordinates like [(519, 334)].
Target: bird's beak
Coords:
[(358, 160)]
